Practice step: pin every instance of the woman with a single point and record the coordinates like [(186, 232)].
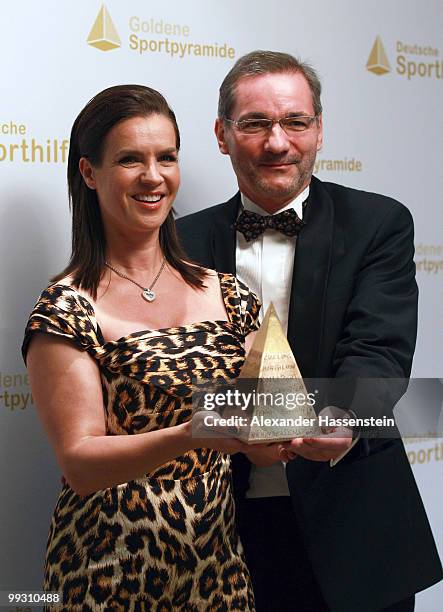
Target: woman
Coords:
[(143, 521)]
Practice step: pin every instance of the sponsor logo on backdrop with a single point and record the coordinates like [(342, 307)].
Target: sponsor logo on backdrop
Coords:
[(378, 62), (424, 450), (152, 35), (15, 394), (412, 60), (17, 145), (429, 258), (103, 34), (338, 165)]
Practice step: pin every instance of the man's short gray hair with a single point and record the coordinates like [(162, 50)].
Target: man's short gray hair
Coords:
[(265, 62)]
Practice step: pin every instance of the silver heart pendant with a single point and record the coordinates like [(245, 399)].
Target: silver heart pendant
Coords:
[(148, 295)]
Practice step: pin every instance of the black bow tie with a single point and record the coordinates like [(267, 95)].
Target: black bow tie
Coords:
[(252, 225)]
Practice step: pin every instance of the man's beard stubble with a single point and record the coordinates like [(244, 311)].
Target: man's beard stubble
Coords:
[(305, 167), (300, 180)]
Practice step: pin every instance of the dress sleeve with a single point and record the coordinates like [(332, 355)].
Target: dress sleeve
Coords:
[(63, 312), (249, 308)]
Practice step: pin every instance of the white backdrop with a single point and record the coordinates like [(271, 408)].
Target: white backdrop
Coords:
[(383, 132)]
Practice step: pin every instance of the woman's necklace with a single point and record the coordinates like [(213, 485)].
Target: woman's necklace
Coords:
[(147, 293)]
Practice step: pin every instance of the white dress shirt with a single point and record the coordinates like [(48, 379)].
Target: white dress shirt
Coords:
[(265, 265)]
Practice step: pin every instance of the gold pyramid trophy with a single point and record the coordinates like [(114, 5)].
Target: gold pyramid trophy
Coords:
[(271, 365)]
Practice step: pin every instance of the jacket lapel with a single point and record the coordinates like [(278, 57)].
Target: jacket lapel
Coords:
[(313, 257), (319, 244), (223, 241)]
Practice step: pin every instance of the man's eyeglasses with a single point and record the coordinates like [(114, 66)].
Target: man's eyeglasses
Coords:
[(290, 125)]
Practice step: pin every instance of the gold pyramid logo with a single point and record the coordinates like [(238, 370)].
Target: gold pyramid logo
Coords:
[(103, 34), (378, 62)]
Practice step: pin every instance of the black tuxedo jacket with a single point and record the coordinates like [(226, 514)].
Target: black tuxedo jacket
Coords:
[(353, 314)]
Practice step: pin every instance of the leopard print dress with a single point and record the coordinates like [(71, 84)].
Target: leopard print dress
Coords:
[(166, 541)]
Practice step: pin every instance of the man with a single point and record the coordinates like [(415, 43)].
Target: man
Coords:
[(352, 537)]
